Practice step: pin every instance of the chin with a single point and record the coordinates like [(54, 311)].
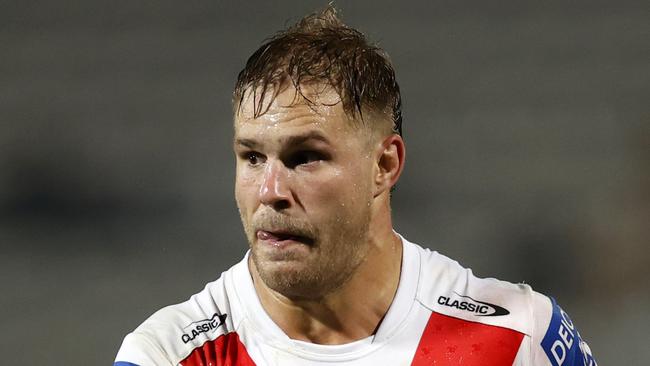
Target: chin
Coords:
[(290, 278), (300, 281), (290, 282)]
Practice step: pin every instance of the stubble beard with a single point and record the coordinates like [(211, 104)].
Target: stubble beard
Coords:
[(337, 251)]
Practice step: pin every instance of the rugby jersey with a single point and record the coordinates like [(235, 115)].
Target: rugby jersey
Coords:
[(441, 315)]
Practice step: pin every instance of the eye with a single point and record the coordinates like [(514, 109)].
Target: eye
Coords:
[(254, 158), (305, 157)]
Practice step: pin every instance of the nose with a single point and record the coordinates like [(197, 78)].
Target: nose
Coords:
[(275, 189)]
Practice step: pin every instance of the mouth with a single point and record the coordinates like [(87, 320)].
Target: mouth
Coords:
[(282, 238)]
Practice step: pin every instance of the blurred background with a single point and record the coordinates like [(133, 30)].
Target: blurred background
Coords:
[(528, 155)]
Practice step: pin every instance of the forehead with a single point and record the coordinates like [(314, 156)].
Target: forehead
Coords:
[(316, 104)]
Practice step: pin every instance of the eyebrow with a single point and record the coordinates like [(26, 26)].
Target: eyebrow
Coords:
[(290, 140)]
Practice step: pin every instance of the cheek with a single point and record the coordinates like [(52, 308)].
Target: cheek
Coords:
[(341, 187), (357, 177), (245, 190)]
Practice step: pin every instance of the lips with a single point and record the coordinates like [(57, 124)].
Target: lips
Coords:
[(281, 238)]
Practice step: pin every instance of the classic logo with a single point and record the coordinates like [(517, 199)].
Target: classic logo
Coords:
[(479, 308), (203, 326)]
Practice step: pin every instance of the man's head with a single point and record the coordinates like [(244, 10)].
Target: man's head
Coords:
[(317, 123), (321, 49)]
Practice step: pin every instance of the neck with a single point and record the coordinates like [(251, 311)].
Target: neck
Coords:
[(354, 310)]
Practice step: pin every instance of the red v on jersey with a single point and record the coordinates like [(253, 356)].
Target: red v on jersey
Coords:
[(226, 350), (450, 341)]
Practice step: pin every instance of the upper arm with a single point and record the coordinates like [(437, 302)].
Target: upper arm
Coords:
[(556, 340)]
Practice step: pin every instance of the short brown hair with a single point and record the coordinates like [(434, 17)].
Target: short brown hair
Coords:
[(321, 48)]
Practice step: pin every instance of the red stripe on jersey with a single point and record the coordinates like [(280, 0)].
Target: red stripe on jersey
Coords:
[(226, 350), (452, 341)]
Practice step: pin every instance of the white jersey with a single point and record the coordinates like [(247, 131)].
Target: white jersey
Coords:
[(441, 315)]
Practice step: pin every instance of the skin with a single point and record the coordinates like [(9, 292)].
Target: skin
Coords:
[(313, 191)]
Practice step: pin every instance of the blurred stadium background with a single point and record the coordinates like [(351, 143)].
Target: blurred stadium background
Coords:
[(527, 129)]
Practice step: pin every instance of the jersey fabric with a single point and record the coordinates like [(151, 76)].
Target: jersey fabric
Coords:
[(441, 315)]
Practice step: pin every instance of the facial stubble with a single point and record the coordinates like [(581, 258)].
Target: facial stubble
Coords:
[(338, 248)]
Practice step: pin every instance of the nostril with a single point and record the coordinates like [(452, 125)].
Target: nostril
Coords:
[(281, 205)]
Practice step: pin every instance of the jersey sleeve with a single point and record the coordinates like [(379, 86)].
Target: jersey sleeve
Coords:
[(137, 350), (556, 340), (170, 334)]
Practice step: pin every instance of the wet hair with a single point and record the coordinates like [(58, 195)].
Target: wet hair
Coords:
[(322, 49)]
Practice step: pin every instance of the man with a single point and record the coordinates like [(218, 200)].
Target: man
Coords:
[(327, 281)]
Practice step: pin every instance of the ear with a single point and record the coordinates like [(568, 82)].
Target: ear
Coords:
[(390, 163)]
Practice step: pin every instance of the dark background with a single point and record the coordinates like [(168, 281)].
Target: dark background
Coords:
[(527, 130)]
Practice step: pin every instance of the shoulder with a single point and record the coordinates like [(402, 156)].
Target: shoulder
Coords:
[(549, 335), (448, 288), (170, 334)]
